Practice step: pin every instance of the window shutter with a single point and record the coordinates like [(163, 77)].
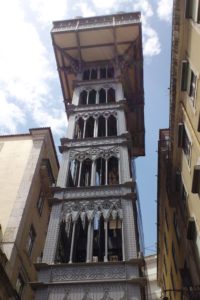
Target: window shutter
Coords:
[(184, 75), (189, 4), (178, 181), (198, 12), (181, 130), (196, 180), (198, 126), (191, 229)]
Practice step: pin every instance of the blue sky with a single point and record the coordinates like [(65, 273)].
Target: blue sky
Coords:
[(30, 94)]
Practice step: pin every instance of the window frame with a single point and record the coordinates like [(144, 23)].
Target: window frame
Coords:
[(185, 142), (40, 203), (30, 240), (192, 10), (19, 285)]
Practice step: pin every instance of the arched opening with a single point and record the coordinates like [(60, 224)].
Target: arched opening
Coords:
[(101, 126), (102, 96), (64, 242), (115, 240), (113, 172), (80, 241), (73, 173), (111, 95), (92, 97), (112, 126), (79, 127), (102, 73), (83, 98), (89, 129), (86, 74), (98, 239), (110, 72), (100, 171), (86, 171), (93, 74)]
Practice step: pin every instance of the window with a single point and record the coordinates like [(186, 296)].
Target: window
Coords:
[(165, 242), (111, 95), (104, 125), (105, 172), (79, 128), (186, 276), (112, 126), (183, 194), (184, 141), (192, 87), (19, 285), (174, 257), (100, 171), (101, 127), (40, 203), (166, 219), (89, 128), (86, 171), (189, 81), (102, 96), (165, 265), (196, 180), (104, 72), (191, 230), (83, 98), (192, 10), (176, 228), (184, 76), (90, 237), (86, 75), (114, 240), (31, 240), (113, 173), (92, 97), (172, 280)]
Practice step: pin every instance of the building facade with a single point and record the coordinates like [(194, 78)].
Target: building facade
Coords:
[(179, 164), (153, 290), (29, 167), (93, 248)]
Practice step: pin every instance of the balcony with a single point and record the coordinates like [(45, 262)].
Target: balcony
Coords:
[(98, 22)]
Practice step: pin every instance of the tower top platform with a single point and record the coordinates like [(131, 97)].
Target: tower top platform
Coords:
[(80, 42)]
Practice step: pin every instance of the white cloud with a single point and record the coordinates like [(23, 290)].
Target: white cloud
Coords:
[(86, 11), (49, 10), (164, 9), (151, 42), (145, 7), (11, 115), (26, 75), (57, 119), (104, 4)]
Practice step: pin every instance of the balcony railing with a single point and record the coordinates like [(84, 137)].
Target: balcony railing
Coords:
[(102, 21)]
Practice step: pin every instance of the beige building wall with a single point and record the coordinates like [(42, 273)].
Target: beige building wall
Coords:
[(153, 291), (182, 203), (14, 156), (29, 166)]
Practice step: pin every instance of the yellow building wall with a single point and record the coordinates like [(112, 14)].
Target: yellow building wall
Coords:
[(14, 155)]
